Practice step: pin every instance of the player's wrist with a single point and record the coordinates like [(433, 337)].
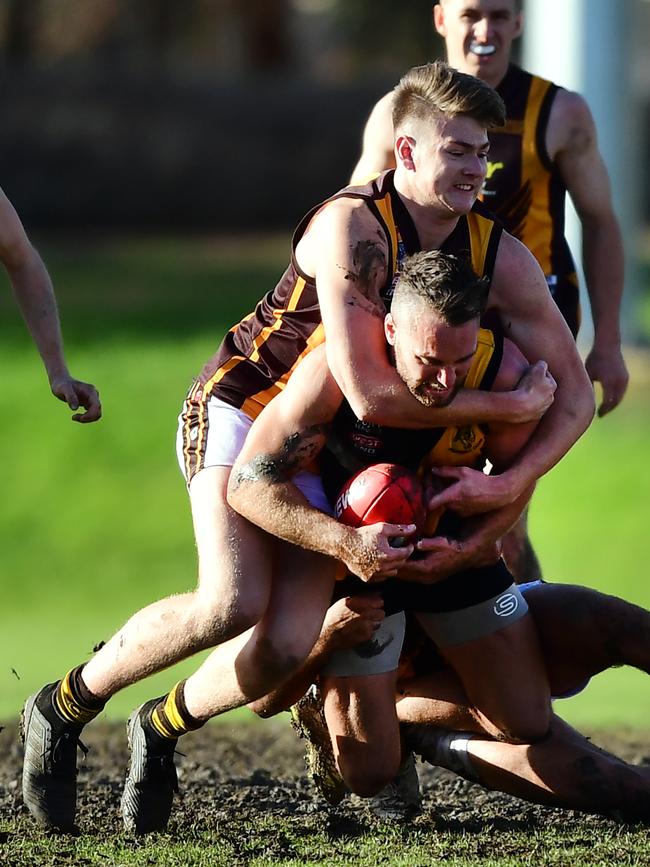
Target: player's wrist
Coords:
[(607, 340), (508, 486)]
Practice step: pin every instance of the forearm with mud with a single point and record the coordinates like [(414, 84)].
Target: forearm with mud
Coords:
[(282, 510), (488, 528), (563, 770)]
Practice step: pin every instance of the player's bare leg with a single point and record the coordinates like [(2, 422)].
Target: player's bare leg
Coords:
[(504, 678), (237, 672), (584, 632), (231, 596), (362, 721), (240, 672)]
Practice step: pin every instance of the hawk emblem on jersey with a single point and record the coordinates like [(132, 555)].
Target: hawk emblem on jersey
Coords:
[(465, 439), (492, 169)]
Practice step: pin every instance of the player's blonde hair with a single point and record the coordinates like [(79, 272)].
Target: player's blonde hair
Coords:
[(435, 90)]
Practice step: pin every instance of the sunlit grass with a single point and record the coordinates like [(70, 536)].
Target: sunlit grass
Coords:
[(94, 520)]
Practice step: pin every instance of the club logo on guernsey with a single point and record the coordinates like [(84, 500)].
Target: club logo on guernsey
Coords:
[(492, 168), (506, 605), (464, 440)]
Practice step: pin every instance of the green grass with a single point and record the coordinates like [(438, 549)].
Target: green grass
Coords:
[(94, 521), (300, 842)]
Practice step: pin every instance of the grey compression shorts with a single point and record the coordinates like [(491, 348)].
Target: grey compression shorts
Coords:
[(381, 654), (447, 628), (377, 656)]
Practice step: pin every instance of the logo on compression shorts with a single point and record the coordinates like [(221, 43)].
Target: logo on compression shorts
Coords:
[(506, 605)]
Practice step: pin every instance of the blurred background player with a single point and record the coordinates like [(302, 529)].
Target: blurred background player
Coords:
[(470, 608), (547, 148), (34, 295)]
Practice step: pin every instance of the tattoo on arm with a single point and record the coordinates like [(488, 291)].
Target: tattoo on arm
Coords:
[(368, 276), (297, 450)]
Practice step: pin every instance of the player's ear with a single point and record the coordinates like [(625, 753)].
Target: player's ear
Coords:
[(519, 24), (389, 329), (404, 151), (439, 19)]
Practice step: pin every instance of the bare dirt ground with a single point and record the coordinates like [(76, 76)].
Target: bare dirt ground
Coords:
[(248, 772)]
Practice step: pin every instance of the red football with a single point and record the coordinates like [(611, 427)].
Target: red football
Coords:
[(382, 493)]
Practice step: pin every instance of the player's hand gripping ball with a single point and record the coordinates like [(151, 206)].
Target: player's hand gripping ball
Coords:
[(382, 493)]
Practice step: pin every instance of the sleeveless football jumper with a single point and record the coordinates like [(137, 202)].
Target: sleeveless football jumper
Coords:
[(525, 189), (259, 354), (353, 444)]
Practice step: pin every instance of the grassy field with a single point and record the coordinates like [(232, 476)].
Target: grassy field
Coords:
[(94, 521)]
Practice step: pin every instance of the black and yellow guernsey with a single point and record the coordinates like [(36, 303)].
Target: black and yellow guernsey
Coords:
[(353, 444), (258, 355), (525, 189)]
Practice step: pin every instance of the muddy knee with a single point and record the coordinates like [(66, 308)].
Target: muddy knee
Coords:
[(367, 779)]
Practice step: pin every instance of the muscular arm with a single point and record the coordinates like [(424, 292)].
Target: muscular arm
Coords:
[(532, 321), (34, 295), (377, 152), (572, 144), (349, 279), (285, 439)]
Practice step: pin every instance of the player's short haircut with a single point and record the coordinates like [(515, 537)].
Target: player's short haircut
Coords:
[(446, 283), (437, 90), (519, 5)]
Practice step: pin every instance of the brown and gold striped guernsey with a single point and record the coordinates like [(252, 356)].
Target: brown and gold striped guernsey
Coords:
[(258, 355), (524, 188)]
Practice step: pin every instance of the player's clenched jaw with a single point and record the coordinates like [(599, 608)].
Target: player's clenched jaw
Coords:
[(442, 162), (478, 34), (431, 356)]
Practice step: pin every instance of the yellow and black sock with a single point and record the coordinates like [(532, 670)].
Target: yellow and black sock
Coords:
[(73, 701), (170, 718)]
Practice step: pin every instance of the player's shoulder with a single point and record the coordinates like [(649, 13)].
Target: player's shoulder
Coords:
[(481, 210), (512, 251), (516, 274), (383, 108), (569, 107), (571, 127)]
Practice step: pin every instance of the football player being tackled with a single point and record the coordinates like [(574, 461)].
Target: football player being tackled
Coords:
[(344, 256), (464, 596)]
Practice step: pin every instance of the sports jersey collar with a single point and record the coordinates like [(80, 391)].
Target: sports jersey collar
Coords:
[(406, 226)]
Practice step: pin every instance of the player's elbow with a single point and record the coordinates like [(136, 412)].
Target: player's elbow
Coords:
[(364, 407), (266, 707), (579, 400), (586, 407), (236, 495)]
